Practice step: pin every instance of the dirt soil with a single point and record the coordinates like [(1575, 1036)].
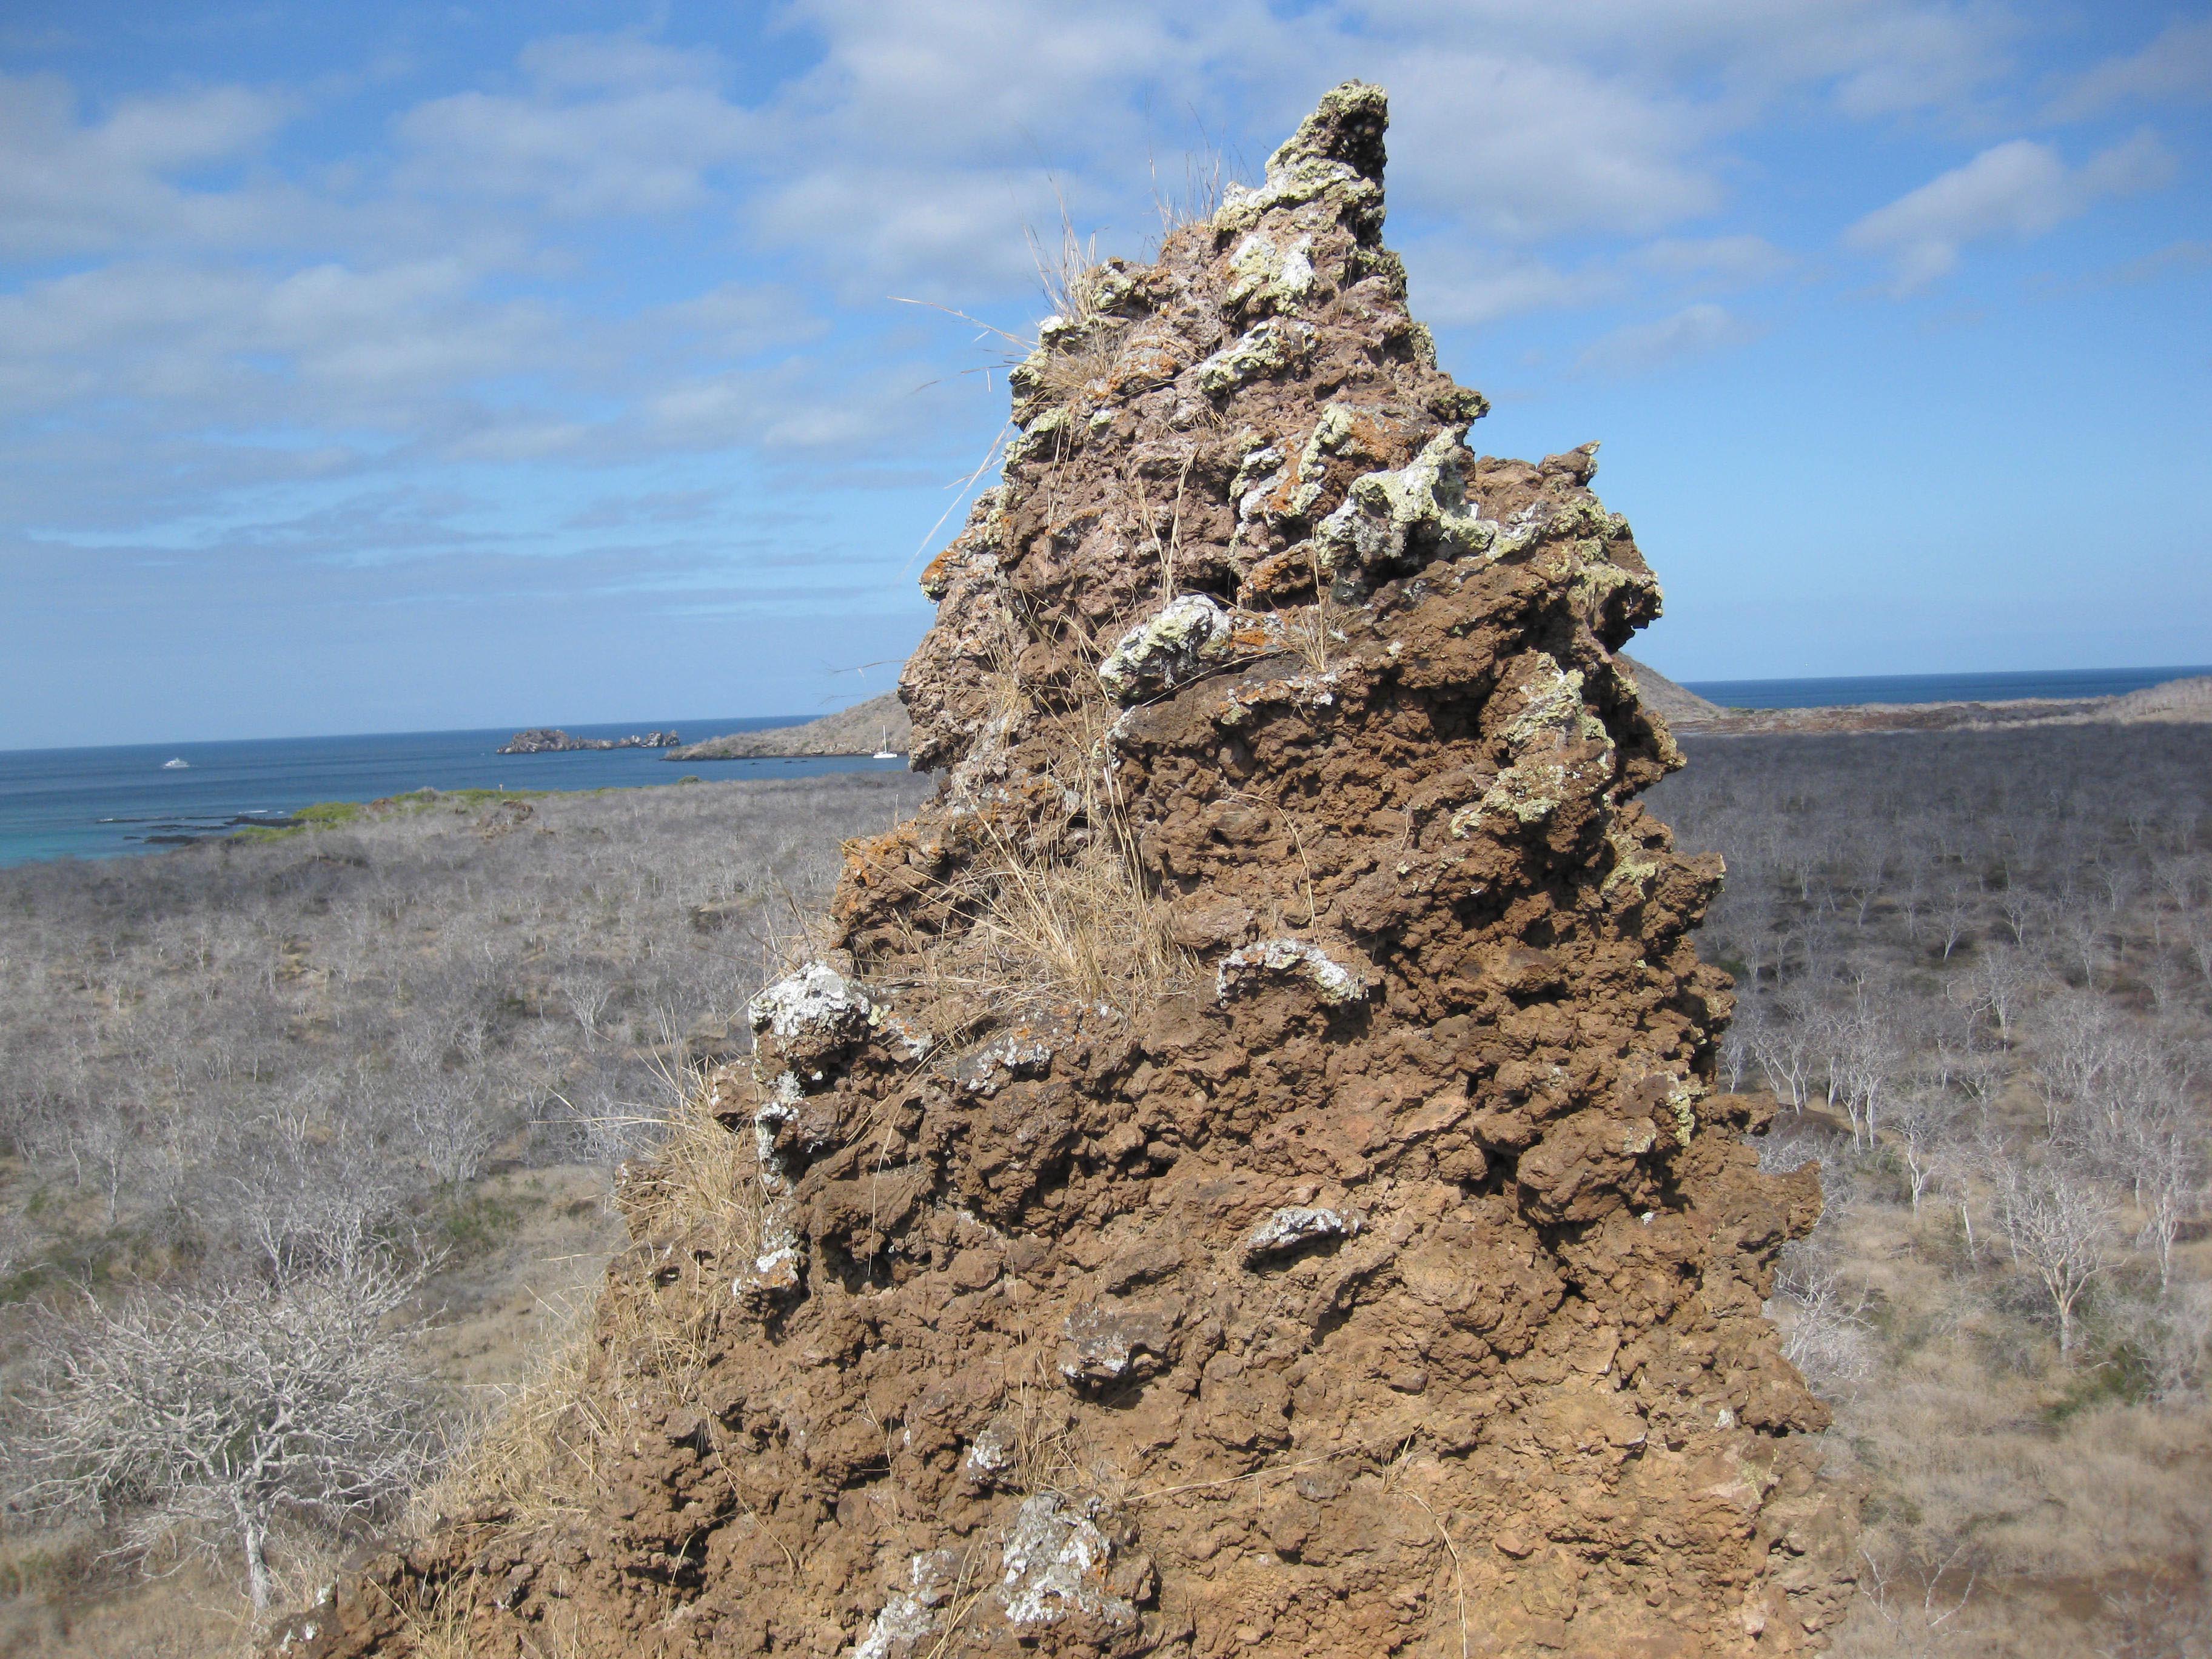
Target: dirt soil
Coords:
[(1242, 1173)]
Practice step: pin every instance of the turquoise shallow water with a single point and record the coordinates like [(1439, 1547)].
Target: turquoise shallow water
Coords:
[(1934, 688), (101, 803)]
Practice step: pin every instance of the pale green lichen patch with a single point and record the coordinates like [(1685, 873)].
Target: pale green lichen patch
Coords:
[(1552, 723), (1633, 868), (1597, 582), (1157, 654), (1552, 710), (1193, 635), (1529, 791), (1418, 511), (1266, 277), (1336, 426), (1038, 438), (1303, 172), (1300, 184), (1267, 348)]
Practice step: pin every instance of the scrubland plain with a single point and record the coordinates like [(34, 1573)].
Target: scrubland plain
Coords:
[(1976, 969), (407, 1051), (371, 1075)]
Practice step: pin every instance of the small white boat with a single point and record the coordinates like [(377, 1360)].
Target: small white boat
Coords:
[(884, 754), (175, 765)]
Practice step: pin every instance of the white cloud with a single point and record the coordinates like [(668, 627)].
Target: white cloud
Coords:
[(71, 187), (2021, 189), (1872, 57), (1453, 283), (609, 128), (233, 347), (2177, 66), (1524, 148), (1694, 331), (528, 265)]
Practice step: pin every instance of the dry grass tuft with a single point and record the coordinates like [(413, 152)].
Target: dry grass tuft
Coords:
[(1065, 914), (700, 1174), (1079, 375), (1207, 176), (1071, 929), (535, 1453), (1064, 265)]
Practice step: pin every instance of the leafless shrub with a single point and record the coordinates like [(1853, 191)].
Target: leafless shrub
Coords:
[(2157, 1621), (1909, 1625), (454, 1130), (1825, 1332), (2059, 1229), (207, 1414), (1922, 1123)]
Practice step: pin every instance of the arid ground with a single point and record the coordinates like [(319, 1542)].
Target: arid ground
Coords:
[(1975, 966)]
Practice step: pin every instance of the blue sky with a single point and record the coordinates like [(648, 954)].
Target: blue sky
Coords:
[(407, 367)]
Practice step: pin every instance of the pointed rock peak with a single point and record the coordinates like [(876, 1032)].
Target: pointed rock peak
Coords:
[(1332, 164), (1347, 126)]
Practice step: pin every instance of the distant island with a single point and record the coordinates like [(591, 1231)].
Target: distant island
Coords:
[(879, 726), (551, 740)]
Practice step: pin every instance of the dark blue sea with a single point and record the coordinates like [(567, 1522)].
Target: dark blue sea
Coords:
[(98, 802), (1934, 688)]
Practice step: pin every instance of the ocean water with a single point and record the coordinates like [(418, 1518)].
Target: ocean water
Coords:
[(102, 803), (1934, 688)]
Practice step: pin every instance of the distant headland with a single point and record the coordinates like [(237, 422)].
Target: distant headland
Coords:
[(877, 727)]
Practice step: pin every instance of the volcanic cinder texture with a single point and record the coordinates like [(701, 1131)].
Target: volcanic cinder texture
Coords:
[(1242, 1174)]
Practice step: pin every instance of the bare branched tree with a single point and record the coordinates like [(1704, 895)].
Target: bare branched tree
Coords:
[(2059, 1228), (204, 1414), (1922, 1123), (1827, 1334), (453, 1130)]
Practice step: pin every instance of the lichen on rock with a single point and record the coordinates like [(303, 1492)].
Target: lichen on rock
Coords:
[(1390, 521), (1377, 1268)]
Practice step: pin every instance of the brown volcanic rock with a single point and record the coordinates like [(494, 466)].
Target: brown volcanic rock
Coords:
[(1244, 1175)]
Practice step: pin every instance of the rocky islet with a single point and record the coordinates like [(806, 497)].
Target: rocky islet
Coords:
[(552, 740)]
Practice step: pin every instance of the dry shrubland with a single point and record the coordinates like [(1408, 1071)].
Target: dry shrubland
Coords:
[(250, 1088), (1979, 967)]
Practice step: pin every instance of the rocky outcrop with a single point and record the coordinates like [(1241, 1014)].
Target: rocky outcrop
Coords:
[(551, 740), (878, 725), (1243, 1173)]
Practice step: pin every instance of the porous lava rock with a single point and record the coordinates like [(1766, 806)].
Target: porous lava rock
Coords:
[(1370, 1266)]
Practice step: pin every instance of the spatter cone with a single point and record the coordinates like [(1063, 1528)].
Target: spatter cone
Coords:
[(1244, 1173)]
